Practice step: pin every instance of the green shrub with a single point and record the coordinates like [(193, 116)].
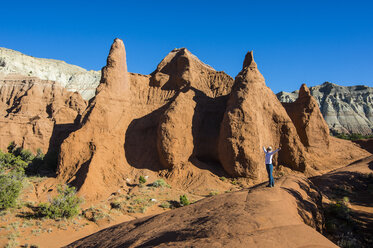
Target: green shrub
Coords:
[(234, 182), (184, 201), (160, 183), (212, 193), (223, 179), (94, 214), (11, 162), (116, 205), (26, 155), (165, 205), (142, 180), (20, 159), (339, 210), (64, 205), (10, 188), (12, 147)]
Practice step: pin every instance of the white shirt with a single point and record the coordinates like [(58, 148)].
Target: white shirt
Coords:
[(269, 155)]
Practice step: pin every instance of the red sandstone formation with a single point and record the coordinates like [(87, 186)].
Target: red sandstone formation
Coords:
[(175, 134), (177, 122), (180, 69), (307, 118), (34, 110), (249, 218), (92, 158), (255, 118)]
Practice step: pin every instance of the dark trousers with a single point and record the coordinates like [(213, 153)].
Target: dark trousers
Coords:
[(271, 181)]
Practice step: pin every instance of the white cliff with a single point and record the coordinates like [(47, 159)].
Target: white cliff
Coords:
[(346, 109), (72, 77)]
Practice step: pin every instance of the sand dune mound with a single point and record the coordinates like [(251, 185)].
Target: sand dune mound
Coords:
[(285, 216)]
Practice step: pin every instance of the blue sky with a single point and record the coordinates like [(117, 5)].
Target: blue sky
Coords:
[(294, 42)]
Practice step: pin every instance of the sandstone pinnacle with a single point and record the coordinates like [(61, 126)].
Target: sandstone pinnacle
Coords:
[(304, 91), (114, 74), (249, 60)]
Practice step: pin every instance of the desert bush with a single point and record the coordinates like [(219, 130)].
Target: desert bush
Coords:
[(64, 205), (10, 188), (116, 205), (142, 209), (36, 163), (212, 193), (348, 240), (20, 159), (223, 179), (142, 180), (165, 205), (9, 161), (12, 147), (160, 183), (26, 155), (184, 201), (94, 214), (339, 210)]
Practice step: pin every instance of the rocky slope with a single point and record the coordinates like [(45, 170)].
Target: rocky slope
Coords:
[(345, 109), (72, 77), (286, 216)]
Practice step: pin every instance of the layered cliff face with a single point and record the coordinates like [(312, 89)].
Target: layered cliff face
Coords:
[(35, 113), (345, 109), (72, 77)]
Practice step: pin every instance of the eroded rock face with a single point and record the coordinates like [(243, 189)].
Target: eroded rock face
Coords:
[(175, 134), (92, 158), (136, 123), (255, 118), (308, 120), (180, 123), (34, 112), (251, 216), (345, 109), (180, 69), (71, 77)]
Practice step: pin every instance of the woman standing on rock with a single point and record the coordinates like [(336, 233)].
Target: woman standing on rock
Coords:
[(269, 166)]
